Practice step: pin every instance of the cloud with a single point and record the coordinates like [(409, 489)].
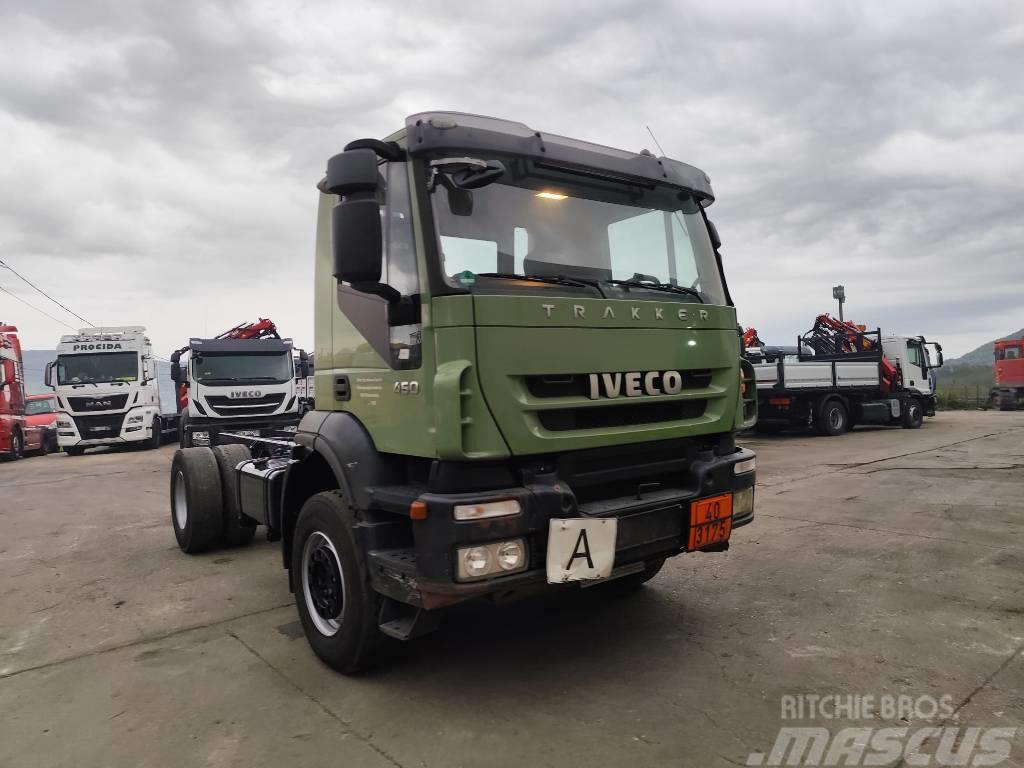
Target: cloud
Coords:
[(159, 159)]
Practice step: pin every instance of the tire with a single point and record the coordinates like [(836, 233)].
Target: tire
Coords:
[(74, 450), (184, 436), (325, 561), (156, 438), (44, 447), (636, 580), (832, 419), (913, 415), (17, 449), (196, 506), (770, 428), (236, 533)]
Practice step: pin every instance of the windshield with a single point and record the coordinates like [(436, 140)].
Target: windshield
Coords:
[(214, 368), (595, 233), (97, 368), (35, 407)]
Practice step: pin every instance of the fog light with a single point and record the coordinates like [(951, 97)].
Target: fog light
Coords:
[(743, 502), (487, 509), (742, 467), (500, 558), (510, 555)]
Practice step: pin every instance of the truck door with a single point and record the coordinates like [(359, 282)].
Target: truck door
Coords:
[(915, 370)]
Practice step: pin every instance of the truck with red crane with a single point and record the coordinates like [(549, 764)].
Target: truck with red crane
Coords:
[(241, 381), (839, 375), (1008, 393), (17, 436)]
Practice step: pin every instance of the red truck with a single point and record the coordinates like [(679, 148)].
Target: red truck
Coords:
[(1008, 393), (16, 435)]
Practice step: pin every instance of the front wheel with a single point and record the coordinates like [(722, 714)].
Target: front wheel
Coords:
[(636, 580), (184, 434), (338, 608), (154, 439), (74, 450), (17, 448), (913, 416)]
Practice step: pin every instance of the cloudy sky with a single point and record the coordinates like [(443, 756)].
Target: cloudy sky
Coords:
[(158, 159)]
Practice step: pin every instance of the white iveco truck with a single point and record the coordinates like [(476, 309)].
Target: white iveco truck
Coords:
[(107, 391)]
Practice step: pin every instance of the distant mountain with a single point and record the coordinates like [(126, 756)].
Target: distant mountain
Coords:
[(35, 361), (983, 354)]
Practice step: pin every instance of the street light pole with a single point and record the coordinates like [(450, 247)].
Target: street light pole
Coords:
[(839, 293)]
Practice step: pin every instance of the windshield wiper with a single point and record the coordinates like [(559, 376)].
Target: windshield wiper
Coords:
[(659, 287), (553, 279)]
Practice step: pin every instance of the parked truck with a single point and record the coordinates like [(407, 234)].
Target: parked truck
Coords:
[(243, 380), (1008, 393), (528, 375), (839, 375), (105, 380), (17, 435)]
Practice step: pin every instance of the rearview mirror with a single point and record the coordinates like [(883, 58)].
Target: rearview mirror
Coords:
[(716, 241), (356, 239), (303, 363), (176, 376), (47, 375)]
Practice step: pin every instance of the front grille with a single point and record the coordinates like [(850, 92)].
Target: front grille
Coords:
[(245, 406), (578, 385), (95, 427), (98, 403), (598, 417)]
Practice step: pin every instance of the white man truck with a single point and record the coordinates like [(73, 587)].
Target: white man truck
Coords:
[(236, 385), (107, 391)]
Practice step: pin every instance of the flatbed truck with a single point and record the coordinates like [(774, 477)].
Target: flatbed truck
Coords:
[(528, 376), (883, 380)]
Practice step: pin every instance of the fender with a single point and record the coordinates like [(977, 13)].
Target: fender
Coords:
[(343, 442)]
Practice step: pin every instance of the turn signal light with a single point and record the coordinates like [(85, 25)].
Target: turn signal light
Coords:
[(418, 510)]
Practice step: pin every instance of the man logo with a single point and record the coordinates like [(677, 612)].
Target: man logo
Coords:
[(98, 404)]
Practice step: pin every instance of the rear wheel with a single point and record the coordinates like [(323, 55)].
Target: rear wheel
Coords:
[(338, 608), (913, 415), (196, 506), (832, 419), (236, 532)]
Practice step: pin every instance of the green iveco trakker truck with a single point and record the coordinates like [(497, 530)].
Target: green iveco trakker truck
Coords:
[(528, 375)]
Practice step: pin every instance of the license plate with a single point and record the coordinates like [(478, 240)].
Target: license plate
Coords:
[(710, 521), (580, 550)]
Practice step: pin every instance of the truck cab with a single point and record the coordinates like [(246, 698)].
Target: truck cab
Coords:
[(105, 381), (1008, 393), (230, 385), (528, 376), (17, 434), (912, 355)]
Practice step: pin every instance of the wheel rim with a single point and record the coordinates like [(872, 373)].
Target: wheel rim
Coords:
[(180, 501), (323, 584), (835, 418), (16, 445)]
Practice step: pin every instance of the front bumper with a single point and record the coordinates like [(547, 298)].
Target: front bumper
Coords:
[(652, 523), (94, 429), (264, 426)]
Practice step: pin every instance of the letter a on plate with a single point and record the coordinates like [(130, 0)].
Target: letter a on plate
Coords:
[(580, 550)]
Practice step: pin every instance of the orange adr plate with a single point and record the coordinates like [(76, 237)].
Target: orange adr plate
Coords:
[(710, 521)]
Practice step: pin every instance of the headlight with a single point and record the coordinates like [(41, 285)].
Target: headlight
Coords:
[(501, 557), (134, 419), (63, 424), (742, 467), (488, 509), (743, 502)]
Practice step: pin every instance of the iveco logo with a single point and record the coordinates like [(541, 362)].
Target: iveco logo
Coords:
[(98, 404), (579, 312), (239, 394), (635, 384)]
